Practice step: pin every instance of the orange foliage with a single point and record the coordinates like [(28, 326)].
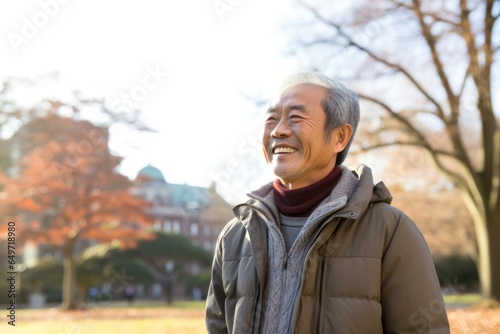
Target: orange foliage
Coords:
[(68, 190)]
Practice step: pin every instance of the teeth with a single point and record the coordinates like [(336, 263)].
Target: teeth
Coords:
[(284, 150)]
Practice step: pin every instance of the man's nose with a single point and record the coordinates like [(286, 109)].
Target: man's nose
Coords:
[(281, 129)]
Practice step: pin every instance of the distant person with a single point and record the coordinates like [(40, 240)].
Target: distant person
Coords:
[(92, 293), (196, 293), (157, 291), (129, 293), (320, 249)]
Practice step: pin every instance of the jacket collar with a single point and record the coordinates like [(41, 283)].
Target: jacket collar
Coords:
[(353, 193)]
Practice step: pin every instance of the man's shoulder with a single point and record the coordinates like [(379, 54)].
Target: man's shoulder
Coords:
[(390, 219), (232, 227), (387, 211)]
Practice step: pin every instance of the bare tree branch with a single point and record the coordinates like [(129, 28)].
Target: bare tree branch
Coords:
[(417, 134), (419, 111), (431, 43), (469, 39), (436, 17), (319, 41), (464, 82), (481, 74), (452, 124), (404, 143), (469, 182), (371, 54), (453, 176)]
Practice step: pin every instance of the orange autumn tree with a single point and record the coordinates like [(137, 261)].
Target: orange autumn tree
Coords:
[(67, 192)]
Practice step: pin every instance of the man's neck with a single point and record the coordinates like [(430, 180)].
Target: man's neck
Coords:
[(302, 202)]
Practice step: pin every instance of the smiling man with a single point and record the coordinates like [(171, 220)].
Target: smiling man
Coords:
[(320, 249), (296, 142)]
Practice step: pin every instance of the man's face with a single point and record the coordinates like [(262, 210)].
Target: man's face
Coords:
[(294, 140)]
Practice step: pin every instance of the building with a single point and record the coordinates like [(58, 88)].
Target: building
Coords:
[(198, 213)]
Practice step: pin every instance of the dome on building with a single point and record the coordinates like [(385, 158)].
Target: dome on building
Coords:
[(150, 174)]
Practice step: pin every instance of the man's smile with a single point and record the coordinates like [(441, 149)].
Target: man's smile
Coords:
[(284, 150)]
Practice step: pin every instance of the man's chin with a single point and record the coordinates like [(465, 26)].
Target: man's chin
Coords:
[(283, 172)]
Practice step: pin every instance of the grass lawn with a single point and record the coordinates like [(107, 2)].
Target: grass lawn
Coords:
[(102, 326), (139, 318), (188, 317), (462, 299)]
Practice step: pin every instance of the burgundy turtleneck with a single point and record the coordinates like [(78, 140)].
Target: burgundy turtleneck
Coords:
[(302, 202)]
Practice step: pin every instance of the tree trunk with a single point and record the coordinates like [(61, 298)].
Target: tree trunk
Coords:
[(82, 293), (69, 301), (488, 237), (493, 228)]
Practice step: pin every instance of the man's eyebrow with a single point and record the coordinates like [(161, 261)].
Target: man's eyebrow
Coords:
[(299, 107), (270, 110)]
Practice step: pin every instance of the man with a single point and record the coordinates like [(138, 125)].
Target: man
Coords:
[(320, 249)]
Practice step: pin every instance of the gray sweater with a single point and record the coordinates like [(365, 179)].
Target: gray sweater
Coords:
[(285, 263)]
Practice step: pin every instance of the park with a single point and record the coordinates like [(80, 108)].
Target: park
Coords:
[(130, 132)]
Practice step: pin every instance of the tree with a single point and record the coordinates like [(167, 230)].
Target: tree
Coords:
[(429, 67), (67, 191)]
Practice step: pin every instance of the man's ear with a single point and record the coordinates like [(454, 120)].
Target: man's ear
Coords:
[(341, 137)]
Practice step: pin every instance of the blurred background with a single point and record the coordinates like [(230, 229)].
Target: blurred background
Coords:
[(129, 130)]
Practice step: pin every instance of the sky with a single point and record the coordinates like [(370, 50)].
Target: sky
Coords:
[(192, 67)]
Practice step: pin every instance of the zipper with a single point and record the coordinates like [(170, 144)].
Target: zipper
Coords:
[(321, 272), (320, 295), (255, 314)]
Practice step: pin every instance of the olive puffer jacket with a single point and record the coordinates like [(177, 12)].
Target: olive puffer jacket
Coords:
[(369, 270)]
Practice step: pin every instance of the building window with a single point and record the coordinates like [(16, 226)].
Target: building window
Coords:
[(167, 226), (157, 225), (176, 227), (194, 229), (207, 245), (30, 255)]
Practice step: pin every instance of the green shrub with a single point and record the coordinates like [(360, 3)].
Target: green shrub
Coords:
[(456, 271)]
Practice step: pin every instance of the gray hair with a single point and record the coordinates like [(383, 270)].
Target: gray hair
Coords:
[(341, 105)]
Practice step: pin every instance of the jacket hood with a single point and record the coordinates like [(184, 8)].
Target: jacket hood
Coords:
[(380, 193)]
